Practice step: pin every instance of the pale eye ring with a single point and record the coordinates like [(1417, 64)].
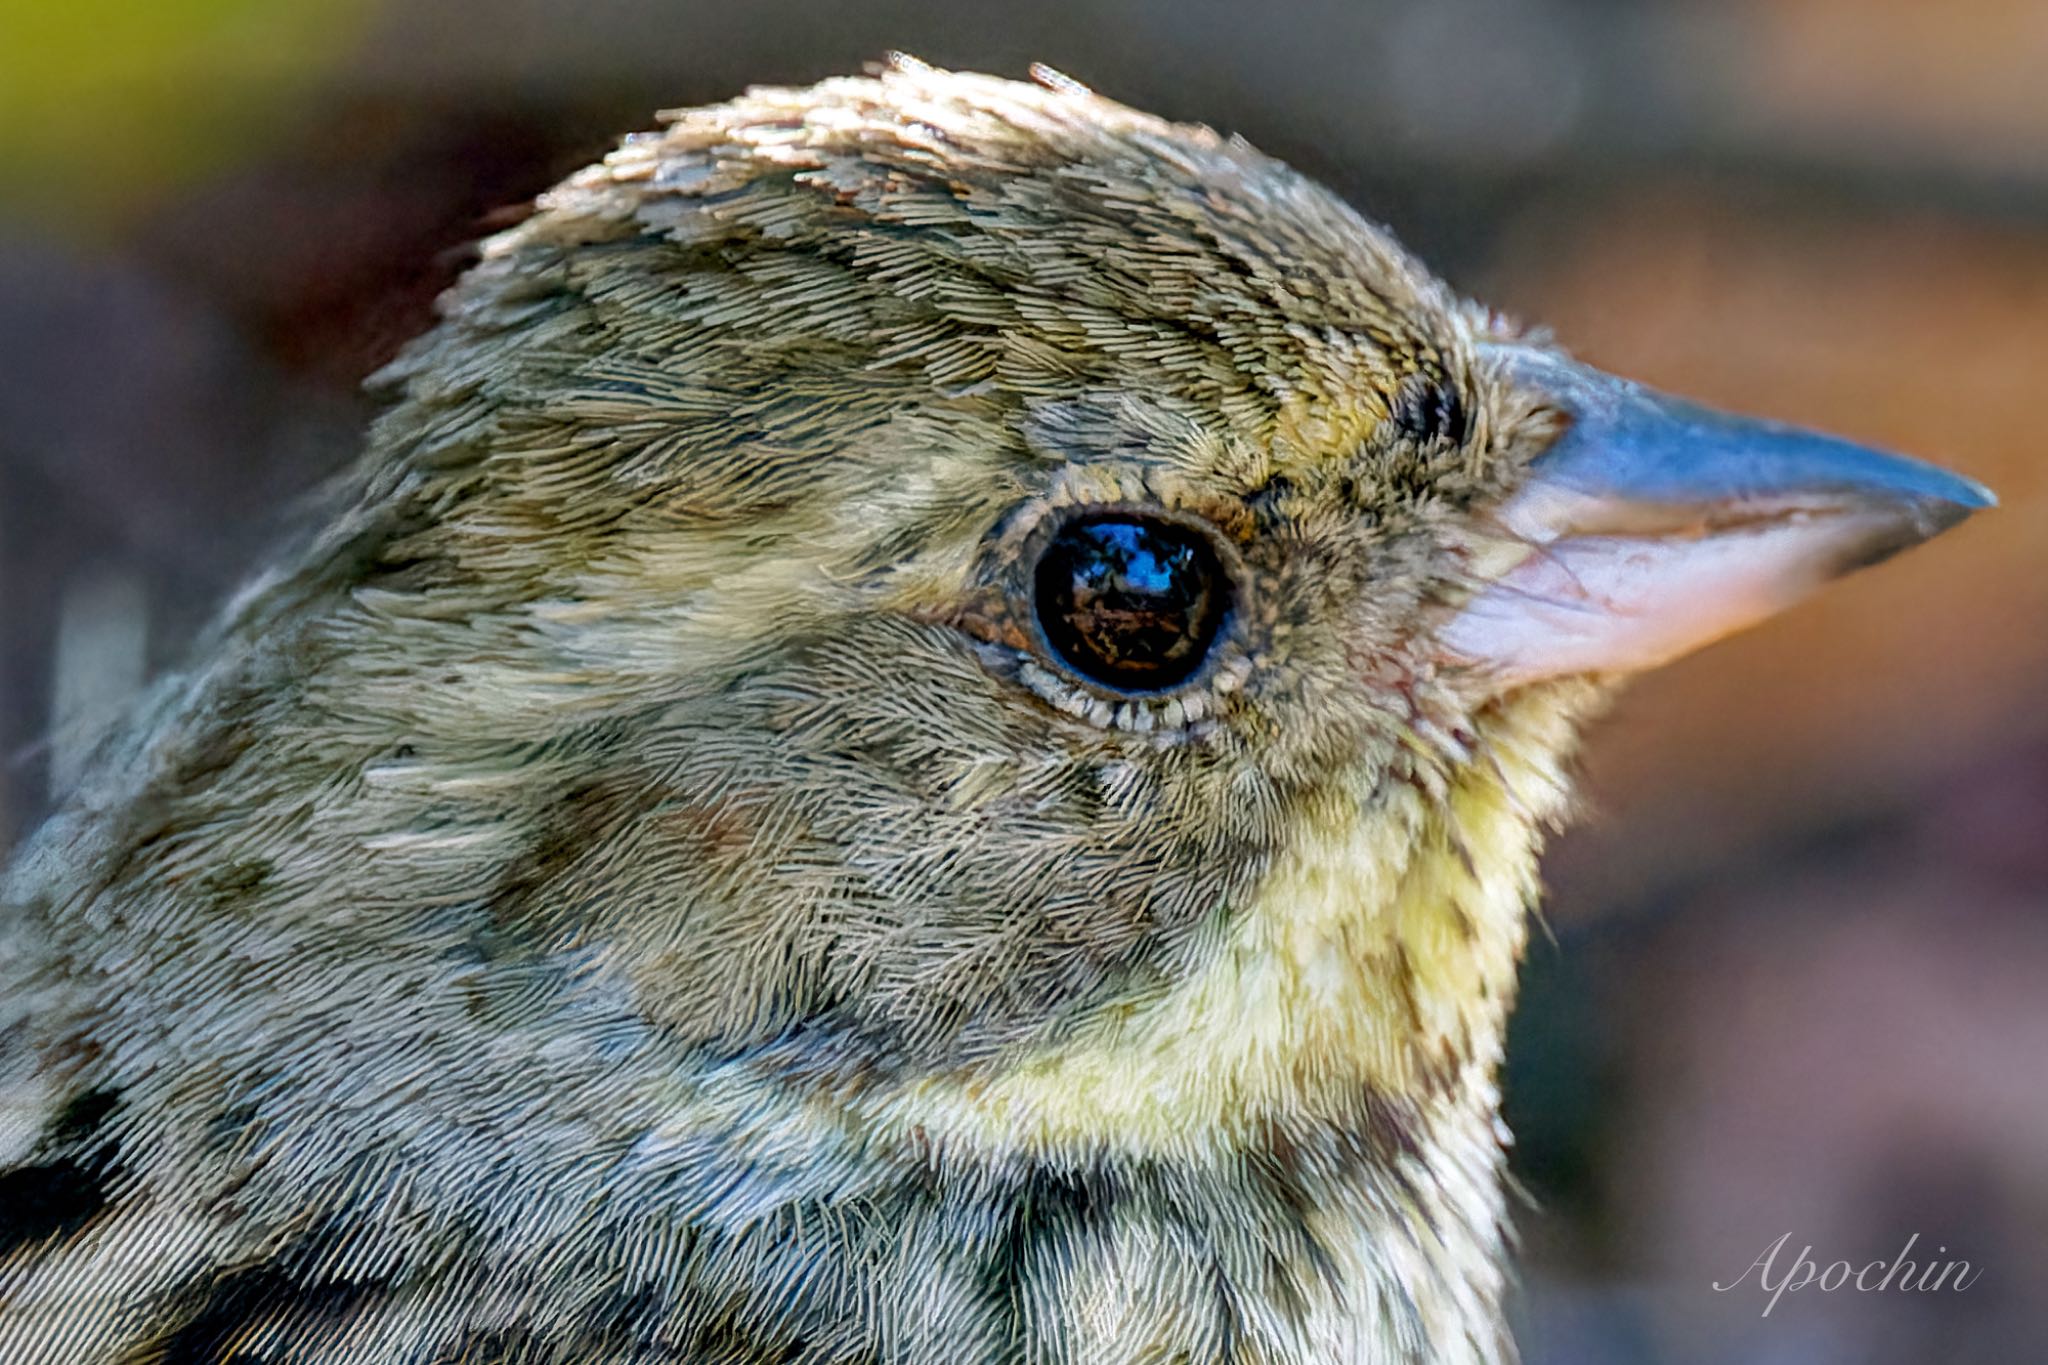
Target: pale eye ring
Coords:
[(1129, 601)]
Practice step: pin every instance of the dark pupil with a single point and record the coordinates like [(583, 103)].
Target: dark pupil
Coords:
[(1130, 602)]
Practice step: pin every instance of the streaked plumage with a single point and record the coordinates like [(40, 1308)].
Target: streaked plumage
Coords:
[(635, 887)]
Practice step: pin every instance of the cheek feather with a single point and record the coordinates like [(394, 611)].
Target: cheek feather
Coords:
[(1378, 955)]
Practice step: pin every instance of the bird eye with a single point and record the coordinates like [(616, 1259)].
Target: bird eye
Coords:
[(1129, 601)]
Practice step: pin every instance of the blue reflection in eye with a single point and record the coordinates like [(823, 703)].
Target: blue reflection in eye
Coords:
[(1130, 601), (1136, 552)]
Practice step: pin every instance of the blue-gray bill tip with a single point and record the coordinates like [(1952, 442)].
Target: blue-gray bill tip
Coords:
[(1654, 525)]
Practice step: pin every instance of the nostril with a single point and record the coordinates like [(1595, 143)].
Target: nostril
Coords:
[(1429, 408)]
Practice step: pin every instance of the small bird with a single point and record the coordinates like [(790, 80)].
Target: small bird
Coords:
[(921, 736)]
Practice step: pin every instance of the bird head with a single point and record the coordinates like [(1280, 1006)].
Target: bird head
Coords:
[(1038, 618)]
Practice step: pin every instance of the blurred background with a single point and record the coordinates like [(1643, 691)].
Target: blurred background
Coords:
[(1798, 982)]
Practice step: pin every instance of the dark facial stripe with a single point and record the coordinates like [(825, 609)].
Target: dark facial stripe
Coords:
[(51, 1199), (58, 1198), (214, 1311)]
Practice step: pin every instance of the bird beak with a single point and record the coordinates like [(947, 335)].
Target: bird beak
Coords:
[(1653, 526)]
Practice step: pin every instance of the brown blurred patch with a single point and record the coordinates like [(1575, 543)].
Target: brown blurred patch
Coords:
[(1959, 80)]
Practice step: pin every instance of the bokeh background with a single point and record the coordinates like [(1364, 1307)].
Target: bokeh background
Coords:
[(1798, 976)]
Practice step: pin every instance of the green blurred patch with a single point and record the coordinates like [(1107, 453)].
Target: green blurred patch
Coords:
[(106, 103)]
